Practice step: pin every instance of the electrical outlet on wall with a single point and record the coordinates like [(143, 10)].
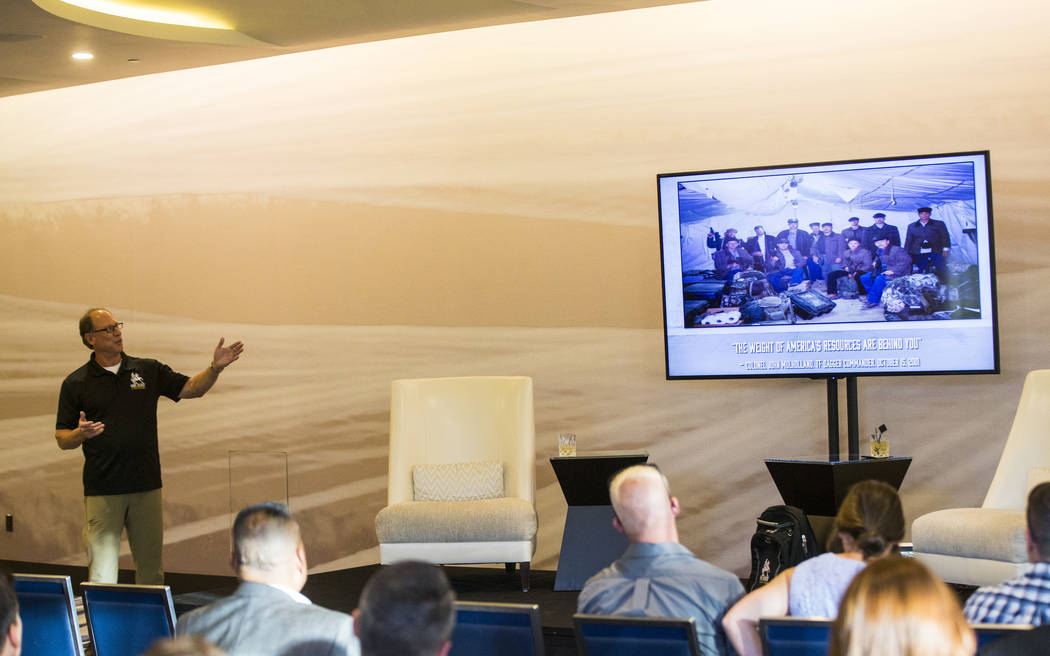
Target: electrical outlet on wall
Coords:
[(9, 522)]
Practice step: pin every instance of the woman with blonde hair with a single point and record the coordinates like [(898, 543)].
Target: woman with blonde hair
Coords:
[(868, 526), (897, 607)]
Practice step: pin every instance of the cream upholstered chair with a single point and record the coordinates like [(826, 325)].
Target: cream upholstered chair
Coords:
[(986, 545), (461, 475)]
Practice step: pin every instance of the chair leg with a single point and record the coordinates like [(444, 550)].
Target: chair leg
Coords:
[(509, 567), (524, 576)]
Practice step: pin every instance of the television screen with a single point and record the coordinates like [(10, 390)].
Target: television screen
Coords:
[(862, 267)]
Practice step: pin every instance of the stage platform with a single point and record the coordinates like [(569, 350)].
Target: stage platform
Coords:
[(339, 590)]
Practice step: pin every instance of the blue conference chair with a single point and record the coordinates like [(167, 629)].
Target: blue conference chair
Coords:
[(991, 632), (124, 620), (794, 636), (50, 626), (484, 629), (606, 635)]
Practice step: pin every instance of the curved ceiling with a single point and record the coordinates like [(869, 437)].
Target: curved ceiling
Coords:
[(38, 37)]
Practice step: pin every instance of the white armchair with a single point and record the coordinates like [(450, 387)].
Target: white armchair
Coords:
[(450, 441), (986, 545)]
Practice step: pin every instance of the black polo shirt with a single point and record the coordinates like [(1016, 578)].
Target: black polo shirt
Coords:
[(124, 458)]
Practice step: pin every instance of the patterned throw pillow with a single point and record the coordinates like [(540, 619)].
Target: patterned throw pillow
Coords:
[(460, 481)]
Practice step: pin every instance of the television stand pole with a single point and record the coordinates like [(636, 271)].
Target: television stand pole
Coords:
[(817, 486), (833, 419), (852, 425)]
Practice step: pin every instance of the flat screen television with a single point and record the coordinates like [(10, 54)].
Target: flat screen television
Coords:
[(732, 313)]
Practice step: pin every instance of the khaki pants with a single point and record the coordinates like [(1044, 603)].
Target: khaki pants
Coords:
[(106, 517)]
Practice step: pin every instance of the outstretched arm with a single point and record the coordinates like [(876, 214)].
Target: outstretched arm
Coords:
[(741, 621), (223, 357)]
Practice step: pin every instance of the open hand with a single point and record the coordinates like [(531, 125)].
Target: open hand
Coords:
[(89, 429), (224, 356)]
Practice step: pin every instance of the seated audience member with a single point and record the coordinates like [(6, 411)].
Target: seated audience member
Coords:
[(657, 576), (890, 262), (406, 609), (785, 263), (184, 646), (897, 607), (1025, 599), (732, 259), (267, 614), (869, 524), (10, 622), (856, 262)]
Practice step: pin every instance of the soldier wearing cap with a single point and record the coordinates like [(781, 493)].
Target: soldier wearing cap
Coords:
[(879, 230), (854, 231), (927, 242), (785, 264), (829, 249), (800, 241)]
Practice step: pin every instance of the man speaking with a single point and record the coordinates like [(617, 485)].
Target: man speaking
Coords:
[(109, 406)]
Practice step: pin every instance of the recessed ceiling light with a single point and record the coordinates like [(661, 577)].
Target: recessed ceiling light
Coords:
[(83, 55), (171, 22), (149, 14)]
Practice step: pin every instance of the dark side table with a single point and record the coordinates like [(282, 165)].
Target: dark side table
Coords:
[(819, 486), (590, 542)]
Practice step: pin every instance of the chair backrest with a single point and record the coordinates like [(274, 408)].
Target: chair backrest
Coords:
[(1026, 446), (50, 626), (794, 636), (987, 633), (453, 420), (606, 635), (484, 629), (124, 620)]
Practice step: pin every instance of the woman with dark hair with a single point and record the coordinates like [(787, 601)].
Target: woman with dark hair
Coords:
[(897, 607), (869, 524)]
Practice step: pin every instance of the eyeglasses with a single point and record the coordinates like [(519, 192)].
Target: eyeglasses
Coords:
[(110, 329)]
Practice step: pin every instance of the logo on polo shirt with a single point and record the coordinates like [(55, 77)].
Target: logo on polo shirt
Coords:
[(136, 382)]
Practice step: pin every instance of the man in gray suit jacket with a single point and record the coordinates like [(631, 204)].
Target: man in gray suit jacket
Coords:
[(267, 615)]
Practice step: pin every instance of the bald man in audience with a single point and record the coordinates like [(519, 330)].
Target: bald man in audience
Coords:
[(268, 614), (657, 576), (10, 622)]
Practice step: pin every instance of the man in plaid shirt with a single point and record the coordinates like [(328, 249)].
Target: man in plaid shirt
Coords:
[(1025, 599)]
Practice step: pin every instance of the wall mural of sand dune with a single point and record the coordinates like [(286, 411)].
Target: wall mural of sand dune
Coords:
[(483, 202), (319, 397)]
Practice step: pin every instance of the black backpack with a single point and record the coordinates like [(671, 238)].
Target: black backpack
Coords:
[(783, 538)]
